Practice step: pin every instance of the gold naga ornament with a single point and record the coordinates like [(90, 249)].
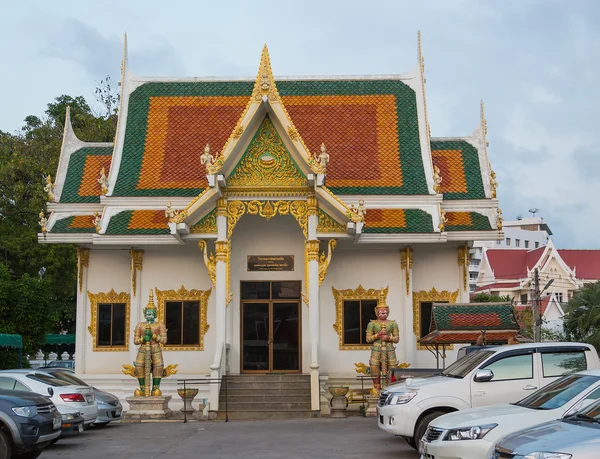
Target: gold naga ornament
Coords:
[(43, 222), (437, 180), (49, 188), (103, 181)]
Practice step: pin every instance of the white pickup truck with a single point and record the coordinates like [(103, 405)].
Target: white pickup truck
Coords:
[(502, 374)]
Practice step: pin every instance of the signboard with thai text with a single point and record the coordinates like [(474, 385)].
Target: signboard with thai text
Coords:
[(270, 262)]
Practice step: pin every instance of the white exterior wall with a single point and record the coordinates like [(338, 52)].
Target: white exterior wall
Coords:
[(253, 235), (108, 270), (349, 268)]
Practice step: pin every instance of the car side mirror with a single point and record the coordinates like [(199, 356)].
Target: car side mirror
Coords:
[(483, 376), (51, 391)]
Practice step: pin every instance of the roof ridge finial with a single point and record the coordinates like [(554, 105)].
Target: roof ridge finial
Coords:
[(265, 83), (68, 131), (423, 81), (124, 61)]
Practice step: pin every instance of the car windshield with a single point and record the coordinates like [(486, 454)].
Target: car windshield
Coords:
[(47, 379), (558, 392), (68, 377), (462, 367)]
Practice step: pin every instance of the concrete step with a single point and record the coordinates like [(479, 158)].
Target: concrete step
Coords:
[(266, 406), (271, 414), (262, 398), (272, 392), (266, 385), (269, 378)]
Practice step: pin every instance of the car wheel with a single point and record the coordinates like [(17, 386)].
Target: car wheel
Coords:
[(422, 426), (5, 446)]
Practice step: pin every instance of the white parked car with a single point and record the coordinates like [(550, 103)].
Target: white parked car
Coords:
[(67, 397), (502, 374), (472, 434), (573, 437)]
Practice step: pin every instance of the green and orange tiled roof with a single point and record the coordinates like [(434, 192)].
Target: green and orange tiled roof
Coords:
[(370, 128), (458, 161), (398, 221), (134, 222), (76, 224), (455, 317), (467, 221), (81, 182)]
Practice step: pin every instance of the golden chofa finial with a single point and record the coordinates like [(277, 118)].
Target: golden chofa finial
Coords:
[(150, 304), (265, 83)]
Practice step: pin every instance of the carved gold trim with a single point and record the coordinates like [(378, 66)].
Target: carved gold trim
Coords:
[(351, 213), (209, 261), (267, 210), (135, 265), (265, 192), (102, 298), (428, 296), (359, 293), (83, 261), (406, 261), (313, 205), (265, 83), (162, 296), (206, 225), (463, 260), (326, 224), (324, 260)]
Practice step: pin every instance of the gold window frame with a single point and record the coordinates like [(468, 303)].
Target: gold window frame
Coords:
[(359, 293), (429, 296), (103, 298), (201, 296)]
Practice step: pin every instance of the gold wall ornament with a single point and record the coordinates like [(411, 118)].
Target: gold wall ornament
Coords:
[(265, 83), (493, 183), (327, 224), (325, 260), (443, 219), (83, 261), (359, 293), (437, 180), (266, 163), (267, 210), (103, 181), (96, 218), (207, 225), (463, 260), (428, 296), (111, 297), (49, 188), (135, 265), (499, 218), (237, 132), (182, 294), (293, 132), (43, 222), (209, 261), (406, 262)]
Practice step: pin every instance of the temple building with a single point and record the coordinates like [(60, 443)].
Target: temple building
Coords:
[(265, 216)]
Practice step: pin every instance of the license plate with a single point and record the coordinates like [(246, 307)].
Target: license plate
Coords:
[(56, 423)]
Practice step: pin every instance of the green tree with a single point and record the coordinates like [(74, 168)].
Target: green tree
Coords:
[(32, 270), (582, 316), (488, 298)]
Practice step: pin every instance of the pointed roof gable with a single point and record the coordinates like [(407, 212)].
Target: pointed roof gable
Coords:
[(512, 263)]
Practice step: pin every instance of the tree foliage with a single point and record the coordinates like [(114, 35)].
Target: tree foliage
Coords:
[(38, 281), (488, 298), (582, 316)]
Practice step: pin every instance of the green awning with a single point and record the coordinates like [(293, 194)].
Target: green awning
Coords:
[(60, 339), (11, 341)]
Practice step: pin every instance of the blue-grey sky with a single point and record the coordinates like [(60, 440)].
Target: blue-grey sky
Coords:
[(535, 63)]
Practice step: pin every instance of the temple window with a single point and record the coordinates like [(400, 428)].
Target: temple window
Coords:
[(357, 315), (182, 319), (111, 324)]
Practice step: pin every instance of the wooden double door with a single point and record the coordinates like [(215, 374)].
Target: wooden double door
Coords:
[(271, 327)]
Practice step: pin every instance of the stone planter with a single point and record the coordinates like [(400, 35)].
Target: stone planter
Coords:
[(187, 395), (372, 405), (338, 403)]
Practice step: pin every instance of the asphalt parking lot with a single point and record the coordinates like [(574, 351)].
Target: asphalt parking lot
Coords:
[(324, 438)]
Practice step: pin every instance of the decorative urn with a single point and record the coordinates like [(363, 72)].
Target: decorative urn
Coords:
[(187, 396), (338, 403)]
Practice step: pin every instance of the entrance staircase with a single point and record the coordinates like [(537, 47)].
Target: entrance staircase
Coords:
[(269, 396)]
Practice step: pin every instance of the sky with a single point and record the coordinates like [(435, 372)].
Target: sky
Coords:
[(535, 64)]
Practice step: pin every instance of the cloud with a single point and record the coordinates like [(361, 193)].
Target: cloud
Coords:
[(542, 95)]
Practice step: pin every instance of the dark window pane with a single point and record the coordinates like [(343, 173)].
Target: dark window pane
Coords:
[(173, 322), (256, 290), (118, 325), (351, 321), (286, 339), (425, 317), (286, 290), (367, 315), (104, 313), (256, 336), (191, 323)]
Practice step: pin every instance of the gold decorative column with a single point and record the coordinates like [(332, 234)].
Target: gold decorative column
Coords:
[(463, 261), (406, 352), (136, 258), (83, 261)]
